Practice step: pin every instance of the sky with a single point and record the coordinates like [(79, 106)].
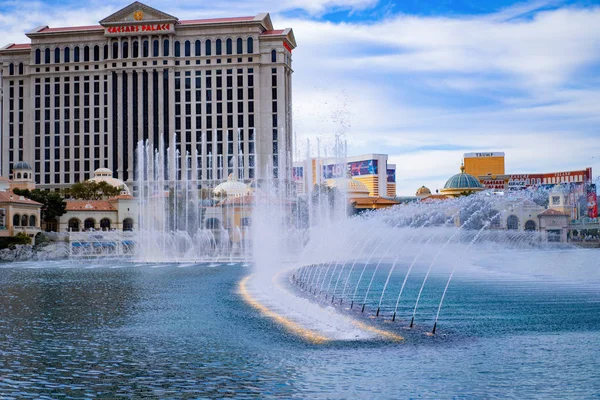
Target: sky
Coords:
[(421, 80)]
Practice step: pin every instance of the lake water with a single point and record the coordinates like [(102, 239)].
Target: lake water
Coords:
[(144, 331)]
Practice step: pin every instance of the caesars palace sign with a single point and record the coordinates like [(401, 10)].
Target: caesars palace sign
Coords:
[(121, 30)]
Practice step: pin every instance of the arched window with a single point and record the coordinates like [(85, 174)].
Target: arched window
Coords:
[(96, 53), (530, 226), (512, 222), (166, 48), (86, 53), (11, 69), (213, 223), (47, 56), (197, 46), (76, 54), (177, 49), (145, 48), (250, 45), (89, 223), (494, 219), (24, 220), (38, 56), (229, 46), (125, 51), (187, 48), (127, 224), (16, 220), (218, 47), (135, 49), (155, 46), (57, 55), (73, 225), (115, 51), (105, 52), (105, 224), (20, 68), (239, 46), (208, 46), (18, 175), (32, 220), (273, 56), (67, 54)]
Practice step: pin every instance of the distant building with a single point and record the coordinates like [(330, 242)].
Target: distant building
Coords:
[(484, 163), (372, 170), (18, 215), (117, 213), (461, 184)]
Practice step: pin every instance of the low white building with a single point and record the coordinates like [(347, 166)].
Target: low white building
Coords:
[(117, 213)]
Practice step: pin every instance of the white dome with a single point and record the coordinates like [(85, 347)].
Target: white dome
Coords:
[(106, 175), (231, 187)]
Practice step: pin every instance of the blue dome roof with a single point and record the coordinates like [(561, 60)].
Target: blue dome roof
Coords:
[(22, 165), (463, 181)]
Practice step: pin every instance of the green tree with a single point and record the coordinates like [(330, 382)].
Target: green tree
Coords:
[(53, 205), (91, 190)]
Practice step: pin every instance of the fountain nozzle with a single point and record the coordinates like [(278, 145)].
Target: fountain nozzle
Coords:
[(363, 308), (434, 326), (394, 317), (412, 321), (377, 315)]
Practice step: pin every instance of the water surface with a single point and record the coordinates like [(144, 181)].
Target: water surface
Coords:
[(133, 331)]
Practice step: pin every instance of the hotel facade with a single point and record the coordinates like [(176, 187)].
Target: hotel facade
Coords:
[(77, 99), (373, 170)]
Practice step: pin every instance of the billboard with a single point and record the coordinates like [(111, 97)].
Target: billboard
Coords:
[(297, 173), (592, 201), (356, 168), (391, 175)]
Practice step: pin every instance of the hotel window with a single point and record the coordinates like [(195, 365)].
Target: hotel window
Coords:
[(187, 48), (38, 56), (229, 46), (115, 50), (155, 48), (76, 54), (96, 53), (166, 48), (56, 56), (47, 56), (145, 49), (106, 52), (67, 54), (177, 49), (125, 50), (250, 45), (273, 56), (208, 48), (239, 46), (218, 47), (197, 46)]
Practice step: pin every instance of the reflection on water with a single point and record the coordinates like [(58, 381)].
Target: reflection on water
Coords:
[(171, 332)]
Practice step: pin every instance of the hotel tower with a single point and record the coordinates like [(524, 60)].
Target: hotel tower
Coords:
[(80, 98)]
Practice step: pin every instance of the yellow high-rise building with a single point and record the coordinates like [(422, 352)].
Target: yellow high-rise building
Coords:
[(484, 164)]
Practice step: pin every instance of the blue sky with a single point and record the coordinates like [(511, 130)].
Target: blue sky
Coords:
[(423, 81)]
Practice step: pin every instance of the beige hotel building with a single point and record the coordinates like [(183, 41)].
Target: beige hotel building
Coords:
[(80, 98)]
